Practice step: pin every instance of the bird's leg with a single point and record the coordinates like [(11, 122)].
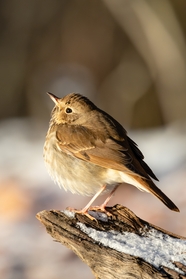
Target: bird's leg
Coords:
[(102, 206), (84, 211), (86, 208)]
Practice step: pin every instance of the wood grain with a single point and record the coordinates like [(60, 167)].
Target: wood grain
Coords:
[(105, 262)]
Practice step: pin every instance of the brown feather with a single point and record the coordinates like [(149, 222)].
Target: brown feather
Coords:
[(92, 135)]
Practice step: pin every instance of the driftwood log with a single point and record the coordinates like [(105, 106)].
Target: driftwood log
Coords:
[(106, 262)]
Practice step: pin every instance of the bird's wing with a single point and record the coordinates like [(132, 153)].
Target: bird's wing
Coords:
[(97, 148), (108, 152)]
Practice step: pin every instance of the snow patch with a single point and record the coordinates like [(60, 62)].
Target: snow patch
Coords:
[(68, 213), (154, 247)]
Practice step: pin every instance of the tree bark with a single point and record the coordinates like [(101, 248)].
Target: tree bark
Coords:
[(106, 262)]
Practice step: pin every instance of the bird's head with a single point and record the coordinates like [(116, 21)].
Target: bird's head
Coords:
[(72, 109)]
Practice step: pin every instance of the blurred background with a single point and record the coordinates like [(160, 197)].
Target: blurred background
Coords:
[(127, 56)]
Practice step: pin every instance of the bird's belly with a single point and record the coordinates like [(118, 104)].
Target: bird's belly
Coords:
[(82, 177), (76, 175)]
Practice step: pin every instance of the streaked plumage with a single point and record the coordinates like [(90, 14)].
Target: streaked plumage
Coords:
[(87, 151)]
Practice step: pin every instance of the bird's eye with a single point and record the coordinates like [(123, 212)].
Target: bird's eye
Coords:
[(68, 110)]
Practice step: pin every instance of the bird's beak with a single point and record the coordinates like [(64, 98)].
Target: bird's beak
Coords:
[(54, 98)]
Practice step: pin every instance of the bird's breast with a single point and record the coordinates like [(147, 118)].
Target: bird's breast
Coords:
[(79, 176), (71, 173)]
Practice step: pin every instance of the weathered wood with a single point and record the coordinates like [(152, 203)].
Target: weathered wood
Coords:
[(107, 263)]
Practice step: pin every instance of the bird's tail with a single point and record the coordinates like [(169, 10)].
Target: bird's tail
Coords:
[(149, 186)]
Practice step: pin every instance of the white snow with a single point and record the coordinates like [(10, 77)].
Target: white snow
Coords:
[(154, 247), (96, 214), (68, 213), (99, 215)]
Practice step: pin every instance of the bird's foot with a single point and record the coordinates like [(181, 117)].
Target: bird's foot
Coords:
[(100, 208), (82, 212)]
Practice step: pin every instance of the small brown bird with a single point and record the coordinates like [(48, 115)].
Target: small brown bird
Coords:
[(89, 153)]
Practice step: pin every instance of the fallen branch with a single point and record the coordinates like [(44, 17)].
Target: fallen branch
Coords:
[(120, 245)]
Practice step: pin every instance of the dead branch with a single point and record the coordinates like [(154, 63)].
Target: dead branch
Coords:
[(107, 262)]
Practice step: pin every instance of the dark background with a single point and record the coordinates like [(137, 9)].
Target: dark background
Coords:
[(129, 57)]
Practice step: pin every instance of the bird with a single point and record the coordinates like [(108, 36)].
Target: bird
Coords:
[(89, 153)]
